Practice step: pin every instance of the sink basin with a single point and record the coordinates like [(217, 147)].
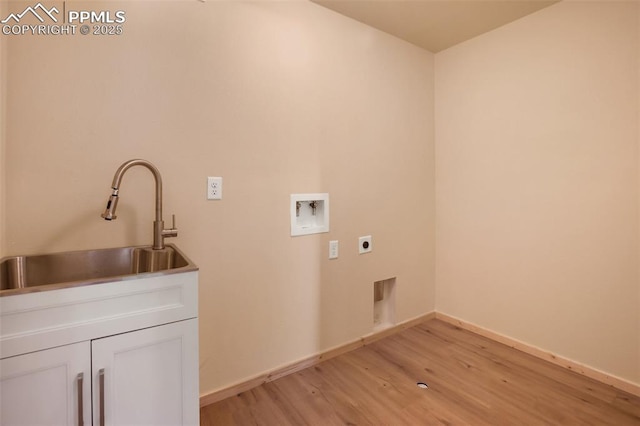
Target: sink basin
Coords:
[(22, 274)]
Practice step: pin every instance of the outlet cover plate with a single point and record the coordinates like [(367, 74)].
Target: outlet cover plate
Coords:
[(365, 244), (333, 249), (214, 188)]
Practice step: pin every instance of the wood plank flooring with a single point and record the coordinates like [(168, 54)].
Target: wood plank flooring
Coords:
[(472, 381)]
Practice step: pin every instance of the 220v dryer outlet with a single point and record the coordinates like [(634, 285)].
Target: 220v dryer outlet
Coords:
[(365, 244)]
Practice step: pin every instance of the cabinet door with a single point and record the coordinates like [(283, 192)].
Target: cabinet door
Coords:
[(147, 377), (50, 387)]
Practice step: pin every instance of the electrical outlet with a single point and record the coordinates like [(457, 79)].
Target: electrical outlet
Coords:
[(333, 249), (365, 244), (214, 188)]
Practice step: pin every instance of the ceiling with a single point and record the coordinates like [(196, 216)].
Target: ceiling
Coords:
[(435, 24)]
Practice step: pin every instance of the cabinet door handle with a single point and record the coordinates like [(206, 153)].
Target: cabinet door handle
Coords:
[(101, 380), (80, 381)]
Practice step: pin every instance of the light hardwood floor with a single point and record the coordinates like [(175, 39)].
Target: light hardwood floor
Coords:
[(472, 381)]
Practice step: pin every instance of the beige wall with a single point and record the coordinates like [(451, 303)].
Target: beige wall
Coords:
[(537, 183), (3, 121), (276, 97), (537, 180)]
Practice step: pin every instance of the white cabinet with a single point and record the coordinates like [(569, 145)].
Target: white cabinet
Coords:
[(107, 354), (147, 377), (144, 377), (47, 387)]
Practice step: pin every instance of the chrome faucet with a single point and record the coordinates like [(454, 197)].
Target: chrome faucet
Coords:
[(159, 233)]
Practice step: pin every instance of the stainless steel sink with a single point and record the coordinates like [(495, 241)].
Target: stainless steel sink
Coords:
[(23, 274)]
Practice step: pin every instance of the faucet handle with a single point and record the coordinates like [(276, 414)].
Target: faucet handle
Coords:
[(173, 231)]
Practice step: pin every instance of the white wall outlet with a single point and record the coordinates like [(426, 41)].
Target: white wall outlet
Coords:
[(214, 188), (365, 244), (333, 249)]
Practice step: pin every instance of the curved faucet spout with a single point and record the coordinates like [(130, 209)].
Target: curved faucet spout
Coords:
[(159, 233), (117, 179)]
